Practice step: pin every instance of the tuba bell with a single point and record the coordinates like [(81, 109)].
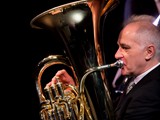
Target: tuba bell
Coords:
[(76, 26)]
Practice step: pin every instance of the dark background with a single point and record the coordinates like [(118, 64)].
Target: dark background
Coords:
[(25, 47)]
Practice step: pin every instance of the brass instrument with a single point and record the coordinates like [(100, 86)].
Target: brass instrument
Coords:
[(76, 26), (56, 104)]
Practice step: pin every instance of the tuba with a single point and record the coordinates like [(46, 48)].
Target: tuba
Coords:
[(76, 27)]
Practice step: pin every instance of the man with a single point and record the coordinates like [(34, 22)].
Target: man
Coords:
[(139, 49)]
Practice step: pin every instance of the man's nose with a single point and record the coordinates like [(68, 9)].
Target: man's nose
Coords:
[(118, 54)]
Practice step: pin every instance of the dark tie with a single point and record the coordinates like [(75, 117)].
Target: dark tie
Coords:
[(130, 86)]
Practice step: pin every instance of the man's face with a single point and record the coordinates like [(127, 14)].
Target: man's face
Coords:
[(131, 51)]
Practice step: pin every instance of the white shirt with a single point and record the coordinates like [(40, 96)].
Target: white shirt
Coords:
[(139, 77)]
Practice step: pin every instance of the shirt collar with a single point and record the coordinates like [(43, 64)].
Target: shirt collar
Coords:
[(139, 77)]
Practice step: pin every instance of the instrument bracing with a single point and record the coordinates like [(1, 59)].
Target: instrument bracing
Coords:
[(76, 26)]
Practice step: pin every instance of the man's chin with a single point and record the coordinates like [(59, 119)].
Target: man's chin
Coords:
[(124, 73)]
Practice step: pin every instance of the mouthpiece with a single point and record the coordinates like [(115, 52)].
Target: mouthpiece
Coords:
[(118, 63)]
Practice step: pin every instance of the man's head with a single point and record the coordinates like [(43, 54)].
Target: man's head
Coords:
[(139, 45)]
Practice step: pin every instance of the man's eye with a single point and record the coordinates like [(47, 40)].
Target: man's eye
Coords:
[(124, 47)]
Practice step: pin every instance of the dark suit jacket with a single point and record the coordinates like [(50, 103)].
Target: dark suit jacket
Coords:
[(143, 101)]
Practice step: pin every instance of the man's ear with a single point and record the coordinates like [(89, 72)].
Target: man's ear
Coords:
[(150, 51)]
